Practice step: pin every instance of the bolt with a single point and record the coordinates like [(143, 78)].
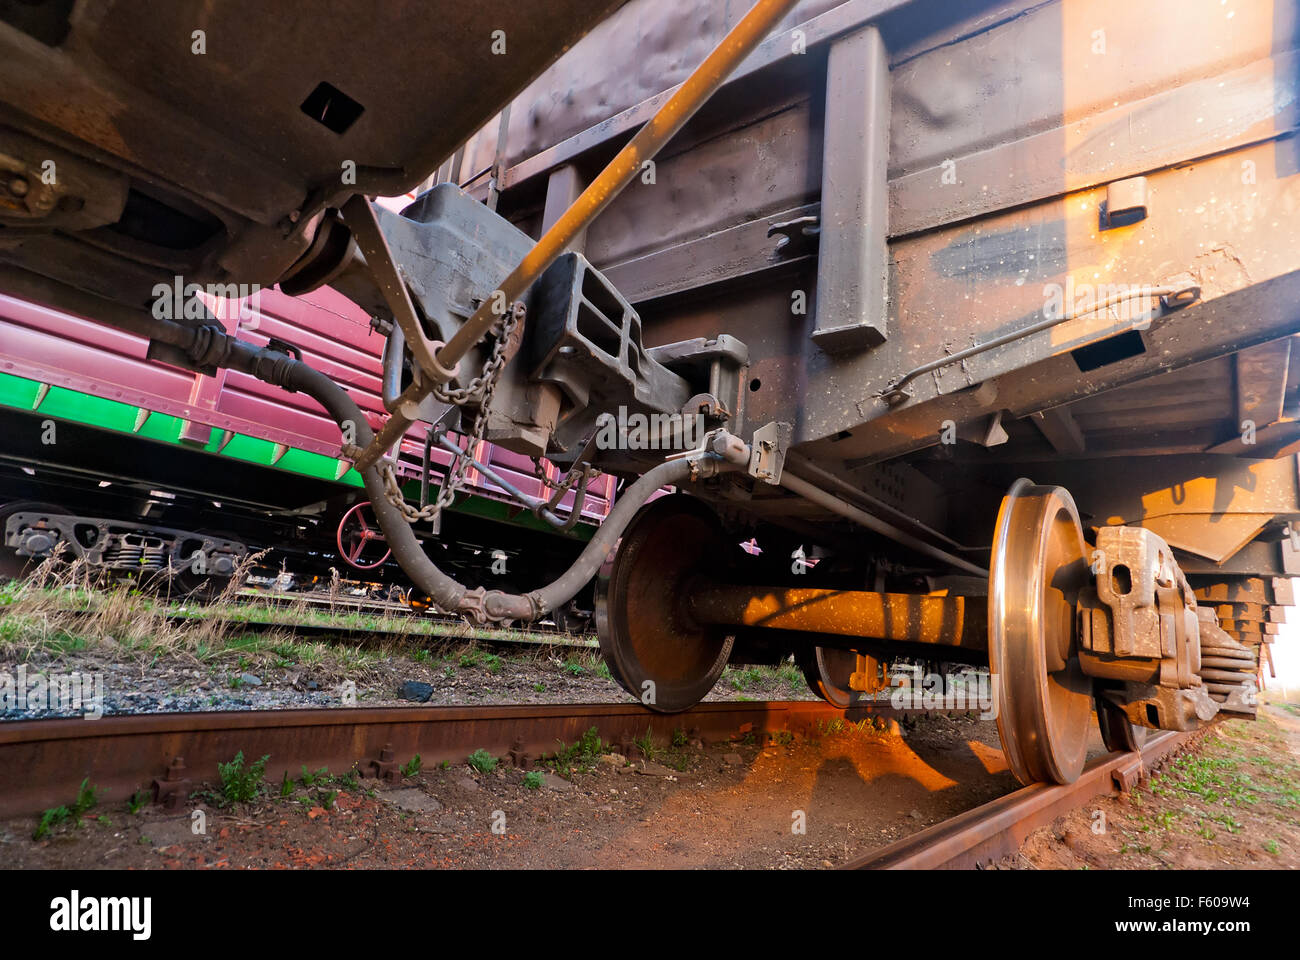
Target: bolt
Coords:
[(18, 187)]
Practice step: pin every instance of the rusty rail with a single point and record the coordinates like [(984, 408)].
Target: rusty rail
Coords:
[(42, 762), (999, 827)]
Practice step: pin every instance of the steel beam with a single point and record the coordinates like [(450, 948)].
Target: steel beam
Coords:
[(853, 259)]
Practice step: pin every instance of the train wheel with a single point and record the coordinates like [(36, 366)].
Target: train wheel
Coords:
[(1117, 733), (653, 649), (1044, 700), (827, 671), (359, 538)]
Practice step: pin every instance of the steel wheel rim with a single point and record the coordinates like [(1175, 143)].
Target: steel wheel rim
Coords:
[(1038, 565), (828, 671), (641, 623)]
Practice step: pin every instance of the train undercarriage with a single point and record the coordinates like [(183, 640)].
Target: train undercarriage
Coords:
[(977, 327)]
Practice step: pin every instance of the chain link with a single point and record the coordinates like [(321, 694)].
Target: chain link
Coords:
[(479, 389)]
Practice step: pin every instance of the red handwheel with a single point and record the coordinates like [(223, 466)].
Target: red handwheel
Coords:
[(358, 530)]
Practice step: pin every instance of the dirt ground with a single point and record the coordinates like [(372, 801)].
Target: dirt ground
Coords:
[(789, 803), (797, 803), (1231, 802)]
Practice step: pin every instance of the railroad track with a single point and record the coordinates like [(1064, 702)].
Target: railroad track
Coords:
[(999, 827), (412, 627), (42, 762)]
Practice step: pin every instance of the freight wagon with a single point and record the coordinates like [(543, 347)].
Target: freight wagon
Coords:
[(137, 467), (987, 306)]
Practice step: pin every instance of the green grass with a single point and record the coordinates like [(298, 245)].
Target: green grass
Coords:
[(578, 757), (310, 779), (482, 761), (533, 779), (646, 744), (241, 783), (87, 799)]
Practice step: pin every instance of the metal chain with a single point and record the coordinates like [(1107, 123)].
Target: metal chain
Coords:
[(480, 388)]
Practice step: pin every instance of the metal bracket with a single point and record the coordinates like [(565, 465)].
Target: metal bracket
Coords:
[(767, 452), (799, 237)]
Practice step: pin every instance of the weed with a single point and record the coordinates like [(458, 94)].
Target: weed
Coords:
[(533, 779), (580, 756), (646, 744), (138, 800), (310, 779), (412, 766), (87, 798), (240, 784), (482, 761)]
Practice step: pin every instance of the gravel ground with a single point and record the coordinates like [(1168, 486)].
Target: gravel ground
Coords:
[(265, 675)]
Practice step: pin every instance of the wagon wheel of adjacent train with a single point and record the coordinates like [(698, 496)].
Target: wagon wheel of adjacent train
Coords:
[(654, 650), (827, 671), (12, 566), (201, 587), (1117, 732), (358, 532), (1044, 700)]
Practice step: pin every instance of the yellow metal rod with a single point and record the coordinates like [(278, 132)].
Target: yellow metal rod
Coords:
[(743, 39)]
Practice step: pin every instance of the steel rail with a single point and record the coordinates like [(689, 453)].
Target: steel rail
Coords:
[(43, 762), (738, 44), (998, 828)]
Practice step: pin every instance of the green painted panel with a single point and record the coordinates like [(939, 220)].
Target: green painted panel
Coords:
[(83, 408), (316, 465), (17, 391), (162, 427), (250, 449)]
